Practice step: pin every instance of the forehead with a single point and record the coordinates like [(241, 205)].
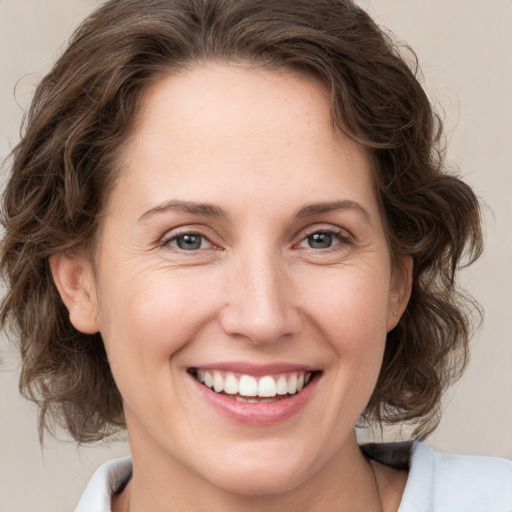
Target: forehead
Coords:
[(214, 127), (227, 101)]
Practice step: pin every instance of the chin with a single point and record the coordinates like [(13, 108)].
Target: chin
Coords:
[(259, 481), (262, 474)]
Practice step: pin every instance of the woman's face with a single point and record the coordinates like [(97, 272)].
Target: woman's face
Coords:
[(243, 247)]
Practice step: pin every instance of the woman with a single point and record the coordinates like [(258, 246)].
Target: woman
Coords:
[(229, 229)]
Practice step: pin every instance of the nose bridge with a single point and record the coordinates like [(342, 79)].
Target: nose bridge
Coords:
[(259, 305)]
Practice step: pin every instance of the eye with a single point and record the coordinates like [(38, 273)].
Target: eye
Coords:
[(189, 242), (324, 239)]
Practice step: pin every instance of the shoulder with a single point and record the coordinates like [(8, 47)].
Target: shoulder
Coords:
[(459, 482), (106, 481), (442, 482)]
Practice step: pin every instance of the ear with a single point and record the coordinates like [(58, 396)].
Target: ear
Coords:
[(400, 291), (74, 279)]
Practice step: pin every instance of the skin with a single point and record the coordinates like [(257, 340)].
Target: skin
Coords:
[(260, 146)]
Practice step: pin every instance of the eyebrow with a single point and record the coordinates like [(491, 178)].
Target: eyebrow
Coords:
[(191, 207), (312, 209), (210, 210)]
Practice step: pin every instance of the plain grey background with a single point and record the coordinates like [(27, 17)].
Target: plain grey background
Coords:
[(464, 51)]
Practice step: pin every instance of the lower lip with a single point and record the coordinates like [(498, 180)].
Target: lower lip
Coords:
[(257, 414)]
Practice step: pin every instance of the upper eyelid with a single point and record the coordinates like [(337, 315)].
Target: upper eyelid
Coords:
[(186, 229), (169, 236), (304, 233)]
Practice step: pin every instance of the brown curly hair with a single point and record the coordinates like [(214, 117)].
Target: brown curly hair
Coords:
[(64, 169)]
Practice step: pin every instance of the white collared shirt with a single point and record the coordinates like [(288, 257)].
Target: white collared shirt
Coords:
[(437, 482)]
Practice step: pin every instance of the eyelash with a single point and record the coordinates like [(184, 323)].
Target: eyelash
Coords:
[(339, 235), (166, 242)]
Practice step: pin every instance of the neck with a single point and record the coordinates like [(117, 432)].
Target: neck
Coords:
[(345, 482)]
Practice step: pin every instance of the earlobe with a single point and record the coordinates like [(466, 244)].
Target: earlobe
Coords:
[(400, 292), (74, 279)]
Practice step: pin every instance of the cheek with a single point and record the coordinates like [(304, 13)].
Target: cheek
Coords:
[(143, 329), (350, 304), (350, 310), (348, 307), (149, 317)]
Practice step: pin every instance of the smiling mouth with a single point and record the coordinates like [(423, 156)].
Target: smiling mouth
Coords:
[(255, 390)]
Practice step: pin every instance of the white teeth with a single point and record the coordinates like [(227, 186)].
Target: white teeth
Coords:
[(282, 386), (231, 384), (248, 386), (267, 387), (292, 384), (218, 382), (300, 382)]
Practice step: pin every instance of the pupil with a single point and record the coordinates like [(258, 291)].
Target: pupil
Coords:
[(189, 242), (320, 240)]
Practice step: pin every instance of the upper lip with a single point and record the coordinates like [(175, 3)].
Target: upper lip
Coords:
[(257, 370)]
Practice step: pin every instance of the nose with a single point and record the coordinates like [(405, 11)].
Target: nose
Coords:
[(259, 300)]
